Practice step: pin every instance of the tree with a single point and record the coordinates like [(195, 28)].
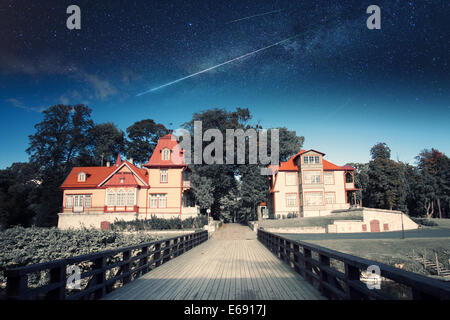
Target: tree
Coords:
[(222, 176), (434, 167), (143, 137), (290, 143), (61, 138), (105, 142), (203, 189), (380, 151), (17, 184), (386, 187)]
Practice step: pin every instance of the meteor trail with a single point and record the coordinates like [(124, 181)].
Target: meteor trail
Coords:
[(256, 15), (219, 65)]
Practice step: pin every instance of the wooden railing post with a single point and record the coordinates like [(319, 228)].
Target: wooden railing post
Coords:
[(307, 264), (16, 285), (126, 266), (100, 278), (352, 274), (166, 252), (324, 277), (295, 257), (157, 254), (144, 261), (58, 275)]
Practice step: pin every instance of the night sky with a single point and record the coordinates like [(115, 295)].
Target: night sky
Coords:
[(342, 86)]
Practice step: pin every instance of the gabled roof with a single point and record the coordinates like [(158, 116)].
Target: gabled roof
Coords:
[(176, 159), (291, 164), (141, 174), (95, 176)]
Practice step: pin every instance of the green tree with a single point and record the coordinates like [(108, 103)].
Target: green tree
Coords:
[(386, 188), (434, 167), (105, 142), (17, 184), (143, 137), (61, 138)]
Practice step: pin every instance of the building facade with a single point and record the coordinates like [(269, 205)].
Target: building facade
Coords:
[(96, 196), (308, 185)]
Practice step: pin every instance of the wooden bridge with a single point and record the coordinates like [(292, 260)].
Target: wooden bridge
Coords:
[(234, 264)]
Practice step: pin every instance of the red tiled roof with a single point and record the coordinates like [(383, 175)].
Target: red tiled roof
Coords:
[(176, 158), (94, 175)]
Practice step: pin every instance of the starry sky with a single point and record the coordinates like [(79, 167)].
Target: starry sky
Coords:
[(342, 86)]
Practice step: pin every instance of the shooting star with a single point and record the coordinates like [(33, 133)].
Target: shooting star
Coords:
[(219, 65), (256, 15)]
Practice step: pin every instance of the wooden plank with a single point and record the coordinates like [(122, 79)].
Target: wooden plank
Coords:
[(225, 267)]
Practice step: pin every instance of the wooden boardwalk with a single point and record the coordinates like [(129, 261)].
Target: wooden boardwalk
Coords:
[(232, 265)]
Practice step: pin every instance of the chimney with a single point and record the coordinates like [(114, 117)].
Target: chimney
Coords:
[(108, 164), (131, 160)]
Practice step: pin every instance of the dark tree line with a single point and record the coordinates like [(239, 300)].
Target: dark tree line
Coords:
[(421, 190)]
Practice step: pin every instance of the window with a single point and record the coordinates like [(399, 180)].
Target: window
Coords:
[(130, 198), (305, 160), (348, 177), (330, 197), (313, 198), (163, 200), (111, 198), (166, 154), (153, 201), (81, 177), (312, 177), (163, 176), (120, 200), (291, 199), (311, 159), (122, 180), (328, 177), (158, 200), (69, 202), (291, 178), (317, 159), (87, 201)]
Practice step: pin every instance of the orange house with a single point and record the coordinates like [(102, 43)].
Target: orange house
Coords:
[(96, 196), (308, 185)]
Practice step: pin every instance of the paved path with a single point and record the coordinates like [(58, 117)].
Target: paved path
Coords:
[(232, 265)]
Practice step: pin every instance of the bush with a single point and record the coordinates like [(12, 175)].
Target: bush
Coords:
[(424, 222), (24, 246), (155, 223)]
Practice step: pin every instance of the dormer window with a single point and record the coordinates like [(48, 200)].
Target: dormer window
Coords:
[(166, 154), (81, 177)]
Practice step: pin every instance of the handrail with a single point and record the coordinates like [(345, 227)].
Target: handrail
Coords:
[(131, 262), (335, 284)]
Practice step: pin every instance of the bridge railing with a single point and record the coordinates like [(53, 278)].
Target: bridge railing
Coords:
[(100, 272), (338, 275)]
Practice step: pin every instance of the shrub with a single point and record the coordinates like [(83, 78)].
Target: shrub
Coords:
[(23, 246), (155, 223)]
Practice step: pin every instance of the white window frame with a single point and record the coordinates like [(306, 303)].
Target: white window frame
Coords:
[(81, 177)]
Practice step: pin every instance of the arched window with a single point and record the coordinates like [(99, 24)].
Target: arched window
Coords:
[(166, 154), (111, 198), (120, 201)]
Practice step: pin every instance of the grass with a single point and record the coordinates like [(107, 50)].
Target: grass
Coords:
[(394, 251)]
